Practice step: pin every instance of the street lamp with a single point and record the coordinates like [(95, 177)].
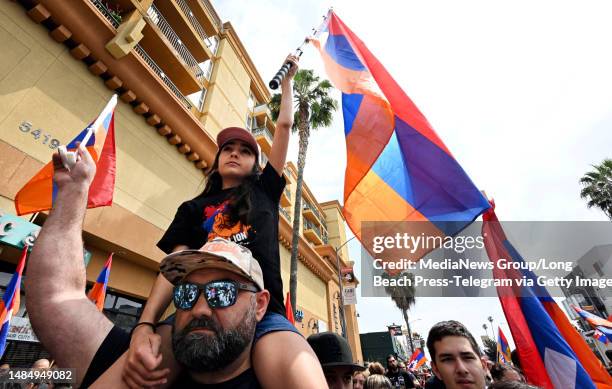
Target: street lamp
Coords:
[(342, 318)]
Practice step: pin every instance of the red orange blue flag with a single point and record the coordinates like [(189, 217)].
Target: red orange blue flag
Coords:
[(601, 337), (97, 293), (39, 193), (602, 325), (552, 353), (416, 360), (503, 348), (9, 305), (398, 169)]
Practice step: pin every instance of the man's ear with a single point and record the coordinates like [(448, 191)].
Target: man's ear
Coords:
[(483, 361), (262, 298), (434, 368)]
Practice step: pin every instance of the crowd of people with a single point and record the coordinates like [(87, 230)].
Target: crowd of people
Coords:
[(456, 362), (229, 328)]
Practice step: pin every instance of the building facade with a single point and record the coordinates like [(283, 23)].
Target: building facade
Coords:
[(182, 75)]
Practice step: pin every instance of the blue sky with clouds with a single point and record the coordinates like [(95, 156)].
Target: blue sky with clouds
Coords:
[(519, 91)]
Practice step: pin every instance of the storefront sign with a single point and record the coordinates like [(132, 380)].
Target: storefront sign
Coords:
[(349, 295), (347, 275), (17, 232), (20, 329)]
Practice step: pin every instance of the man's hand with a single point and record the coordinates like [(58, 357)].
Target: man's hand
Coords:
[(143, 359), (81, 175)]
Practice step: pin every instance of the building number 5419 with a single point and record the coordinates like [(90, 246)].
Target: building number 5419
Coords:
[(26, 127)]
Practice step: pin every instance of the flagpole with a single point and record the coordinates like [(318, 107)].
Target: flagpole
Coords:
[(597, 346), (282, 72), (497, 347), (69, 157)]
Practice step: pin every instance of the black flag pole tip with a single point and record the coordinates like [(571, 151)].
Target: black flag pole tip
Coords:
[(282, 72)]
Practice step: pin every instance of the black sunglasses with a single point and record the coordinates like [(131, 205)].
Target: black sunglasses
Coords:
[(218, 294)]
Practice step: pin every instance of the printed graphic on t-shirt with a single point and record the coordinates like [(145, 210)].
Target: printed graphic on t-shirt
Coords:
[(218, 224)]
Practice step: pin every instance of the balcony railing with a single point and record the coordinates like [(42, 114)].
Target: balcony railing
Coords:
[(263, 131), (262, 108), (307, 206), (308, 225), (285, 213), (183, 53), (100, 6), (143, 54), (194, 22), (212, 13), (211, 42), (288, 193), (105, 12)]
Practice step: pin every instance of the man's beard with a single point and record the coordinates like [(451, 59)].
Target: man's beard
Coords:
[(200, 352)]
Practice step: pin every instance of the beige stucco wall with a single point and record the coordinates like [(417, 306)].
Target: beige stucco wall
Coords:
[(228, 91), (311, 291), (336, 232), (125, 275), (42, 84)]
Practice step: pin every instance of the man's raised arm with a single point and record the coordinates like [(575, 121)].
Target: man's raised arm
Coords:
[(69, 326)]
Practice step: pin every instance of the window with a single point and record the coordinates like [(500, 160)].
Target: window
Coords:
[(122, 310)]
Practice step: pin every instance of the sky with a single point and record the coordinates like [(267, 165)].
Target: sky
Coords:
[(520, 92)]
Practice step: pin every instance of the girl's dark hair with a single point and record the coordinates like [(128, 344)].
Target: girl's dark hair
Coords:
[(239, 204)]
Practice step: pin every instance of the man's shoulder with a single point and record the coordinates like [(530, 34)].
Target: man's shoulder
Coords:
[(392, 375)]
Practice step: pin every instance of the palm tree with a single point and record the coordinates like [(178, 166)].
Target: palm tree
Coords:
[(403, 297), (314, 109), (490, 348), (597, 187)]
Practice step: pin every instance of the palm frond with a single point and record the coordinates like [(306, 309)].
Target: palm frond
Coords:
[(597, 187)]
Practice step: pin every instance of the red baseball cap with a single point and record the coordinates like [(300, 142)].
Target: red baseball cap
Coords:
[(237, 133)]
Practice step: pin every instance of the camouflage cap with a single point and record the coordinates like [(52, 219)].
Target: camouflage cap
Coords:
[(217, 253)]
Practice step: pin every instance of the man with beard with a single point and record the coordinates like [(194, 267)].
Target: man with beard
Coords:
[(400, 379), (455, 357), (218, 293)]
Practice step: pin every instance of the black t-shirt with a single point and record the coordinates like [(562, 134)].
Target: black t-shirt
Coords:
[(117, 342), (401, 379), (204, 218), (246, 380)]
